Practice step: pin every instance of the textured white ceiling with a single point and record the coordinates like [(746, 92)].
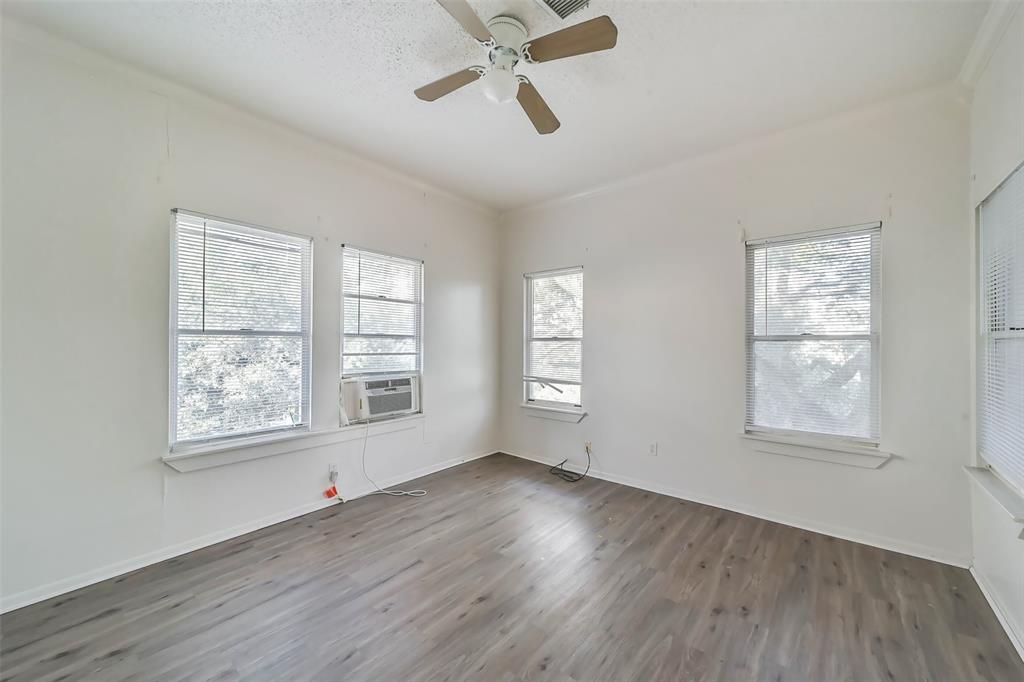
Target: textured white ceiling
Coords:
[(684, 78)]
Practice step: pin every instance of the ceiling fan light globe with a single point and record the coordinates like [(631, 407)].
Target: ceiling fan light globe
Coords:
[(500, 85)]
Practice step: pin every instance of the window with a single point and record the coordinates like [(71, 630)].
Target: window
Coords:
[(240, 321), (382, 320), (812, 334), (1001, 346), (553, 364)]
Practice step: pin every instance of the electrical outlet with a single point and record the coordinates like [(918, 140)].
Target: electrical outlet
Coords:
[(332, 472), (652, 449)]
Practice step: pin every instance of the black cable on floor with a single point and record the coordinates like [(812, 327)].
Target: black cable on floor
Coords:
[(560, 470)]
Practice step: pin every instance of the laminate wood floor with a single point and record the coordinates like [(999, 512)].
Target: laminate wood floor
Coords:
[(504, 572)]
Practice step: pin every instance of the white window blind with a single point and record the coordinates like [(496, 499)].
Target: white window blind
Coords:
[(553, 364), (240, 321), (812, 334), (382, 320), (1001, 347)]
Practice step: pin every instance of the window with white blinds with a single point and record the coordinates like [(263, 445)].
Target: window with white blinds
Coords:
[(1001, 346), (812, 334), (553, 344), (382, 319), (240, 322)]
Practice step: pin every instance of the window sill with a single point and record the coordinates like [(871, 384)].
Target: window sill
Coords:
[(569, 415), (214, 455), (202, 448), (1005, 496), (834, 452)]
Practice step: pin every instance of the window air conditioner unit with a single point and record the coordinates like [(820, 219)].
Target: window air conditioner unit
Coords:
[(366, 398)]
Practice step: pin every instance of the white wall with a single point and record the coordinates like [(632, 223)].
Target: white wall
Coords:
[(664, 322), (95, 156), (997, 148), (997, 113)]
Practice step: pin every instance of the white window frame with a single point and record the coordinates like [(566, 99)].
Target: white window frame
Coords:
[(788, 435), (249, 437), (1004, 480), (528, 337), (419, 322)]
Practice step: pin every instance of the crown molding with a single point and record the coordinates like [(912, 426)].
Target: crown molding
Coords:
[(991, 31)]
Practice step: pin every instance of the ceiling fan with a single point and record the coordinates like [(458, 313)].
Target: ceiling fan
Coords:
[(504, 38)]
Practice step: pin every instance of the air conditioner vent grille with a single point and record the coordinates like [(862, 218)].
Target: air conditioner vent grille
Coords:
[(388, 383), (390, 402), (564, 8)]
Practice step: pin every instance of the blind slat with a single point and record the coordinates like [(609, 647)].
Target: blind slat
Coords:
[(382, 313), (812, 334), (241, 325), (1001, 348)]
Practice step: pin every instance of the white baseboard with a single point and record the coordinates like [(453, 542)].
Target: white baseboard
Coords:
[(992, 597), (37, 594), (882, 542)]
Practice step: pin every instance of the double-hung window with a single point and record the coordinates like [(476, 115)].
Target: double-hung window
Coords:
[(382, 319), (553, 344), (812, 334), (1001, 346), (240, 327)]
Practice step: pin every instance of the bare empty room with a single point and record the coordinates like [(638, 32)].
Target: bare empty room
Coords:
[(496, 340)]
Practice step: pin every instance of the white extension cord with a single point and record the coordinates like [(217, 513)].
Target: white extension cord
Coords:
[(379, 490)]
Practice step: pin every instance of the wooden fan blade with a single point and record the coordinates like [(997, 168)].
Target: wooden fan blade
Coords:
[(588, 36), (467, 18), (448, 84), (536, 109)]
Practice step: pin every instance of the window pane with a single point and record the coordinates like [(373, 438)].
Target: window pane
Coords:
[(1001, 416), (757, 310), (554, 310), (248, 289), (1001, 357), (371, 274), (812, 287), (364, 316), (556, 360), (252, 282), (359, 344), (816, 386), (570, 393), (820, 286), (232, 385), (1002, 247), (189, 281), (236, 278), (379, 363), (558, 306), (383, 298)]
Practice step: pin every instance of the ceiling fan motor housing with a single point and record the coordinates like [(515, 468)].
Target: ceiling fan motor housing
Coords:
[(509, 35)]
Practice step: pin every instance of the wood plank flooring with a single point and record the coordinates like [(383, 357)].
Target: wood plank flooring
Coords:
[(504, 572)]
